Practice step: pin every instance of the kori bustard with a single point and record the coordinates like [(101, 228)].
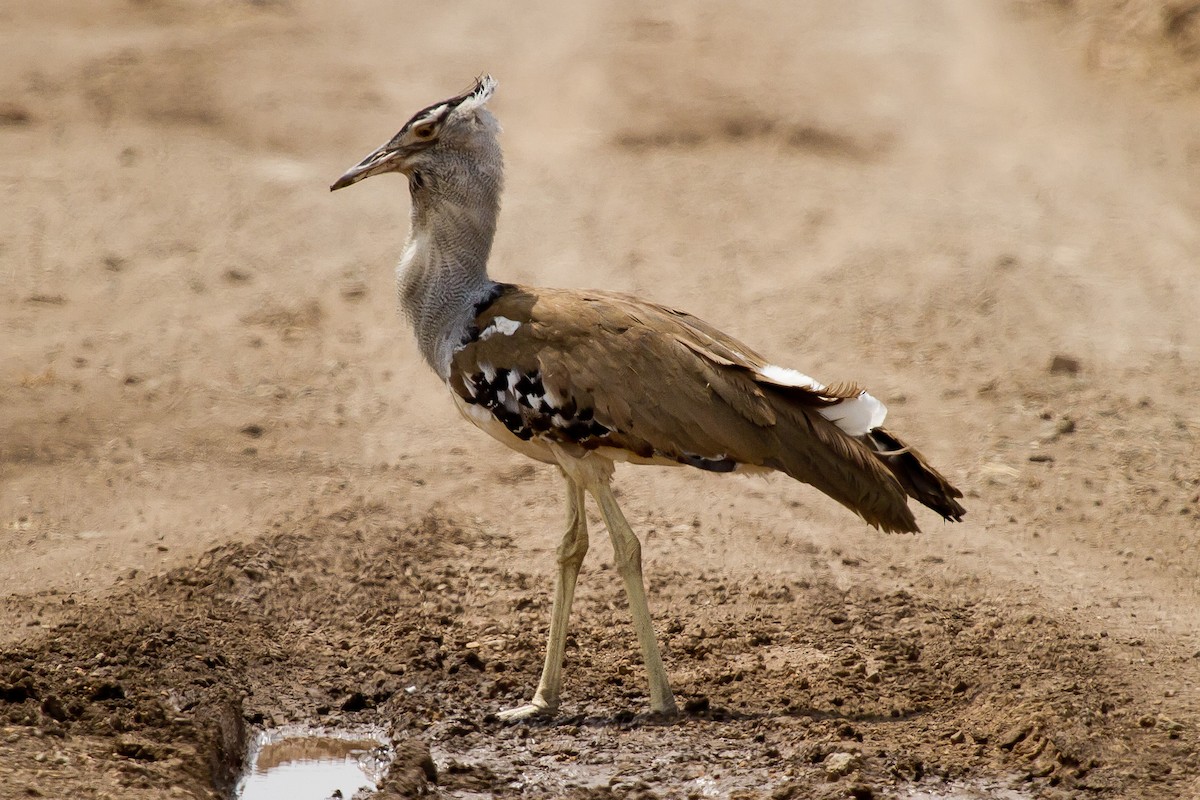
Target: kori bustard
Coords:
[(583, 379)]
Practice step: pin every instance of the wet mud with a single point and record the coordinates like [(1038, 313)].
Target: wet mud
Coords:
[(790, 688)]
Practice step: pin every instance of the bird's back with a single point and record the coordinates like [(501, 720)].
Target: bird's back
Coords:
[(636, 381)]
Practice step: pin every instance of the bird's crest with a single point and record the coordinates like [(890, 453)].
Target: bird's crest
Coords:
[(460, 105), (477, 95)]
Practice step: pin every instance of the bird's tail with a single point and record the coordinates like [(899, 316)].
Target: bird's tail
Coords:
[(921, 482)]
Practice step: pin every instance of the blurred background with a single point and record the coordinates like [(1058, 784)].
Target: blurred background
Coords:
[(987, 212), (935, 199)]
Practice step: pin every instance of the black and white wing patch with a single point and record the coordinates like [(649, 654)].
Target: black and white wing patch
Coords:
[(527, 409)]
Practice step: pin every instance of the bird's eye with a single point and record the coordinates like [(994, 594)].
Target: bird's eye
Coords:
[(423, 131)]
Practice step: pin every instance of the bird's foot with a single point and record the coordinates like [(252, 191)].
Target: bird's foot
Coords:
[(668, 713), (527, 711)]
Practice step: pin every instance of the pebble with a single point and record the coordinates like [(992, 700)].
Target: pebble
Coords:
[(1014, 736), (839, 764)]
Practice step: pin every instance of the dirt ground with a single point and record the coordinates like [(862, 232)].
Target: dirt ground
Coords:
[(232, 496)]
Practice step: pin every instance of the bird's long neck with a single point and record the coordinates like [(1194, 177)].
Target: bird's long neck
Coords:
[(442, 275)]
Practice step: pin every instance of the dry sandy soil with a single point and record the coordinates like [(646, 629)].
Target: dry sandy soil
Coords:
[(231, 495)]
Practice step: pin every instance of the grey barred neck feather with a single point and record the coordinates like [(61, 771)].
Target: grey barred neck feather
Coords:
[(442, 275), (583, 379)]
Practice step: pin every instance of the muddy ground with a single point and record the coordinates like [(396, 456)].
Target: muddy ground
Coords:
[(231, 495)]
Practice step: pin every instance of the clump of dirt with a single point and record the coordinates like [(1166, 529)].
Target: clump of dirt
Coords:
[(351, 617)]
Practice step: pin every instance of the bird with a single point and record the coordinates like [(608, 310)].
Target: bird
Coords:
[(585, 379)]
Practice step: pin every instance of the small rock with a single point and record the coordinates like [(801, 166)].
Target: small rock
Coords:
[(254, 430), (1041, 458), (958, 737), (1168, 724), (1014, 736), (839, 764)]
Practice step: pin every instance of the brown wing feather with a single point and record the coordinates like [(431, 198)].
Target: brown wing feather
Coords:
[(668, 385), (916, 475)]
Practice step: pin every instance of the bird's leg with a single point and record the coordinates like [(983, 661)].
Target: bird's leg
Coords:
[(571, 551), (627, 552)]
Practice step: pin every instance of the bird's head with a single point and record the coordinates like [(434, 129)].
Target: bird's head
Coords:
[(446, 140)]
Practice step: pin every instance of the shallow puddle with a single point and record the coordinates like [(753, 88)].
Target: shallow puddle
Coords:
[(962, 790), (303, 763)]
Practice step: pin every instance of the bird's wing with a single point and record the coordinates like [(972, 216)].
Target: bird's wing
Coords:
[(603, 370)]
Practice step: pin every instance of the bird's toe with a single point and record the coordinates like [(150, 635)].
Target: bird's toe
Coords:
[(527, 711)]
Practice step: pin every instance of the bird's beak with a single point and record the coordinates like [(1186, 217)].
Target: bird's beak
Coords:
[(388, 158)]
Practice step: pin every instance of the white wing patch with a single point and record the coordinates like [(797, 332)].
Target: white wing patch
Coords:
[(855, 416), (502, 326), (791, 377)]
